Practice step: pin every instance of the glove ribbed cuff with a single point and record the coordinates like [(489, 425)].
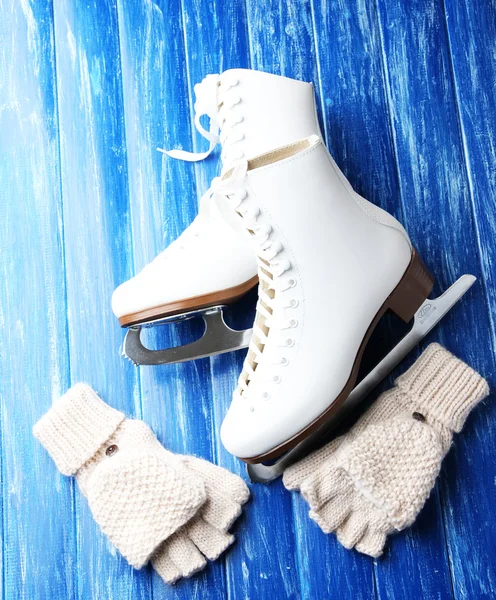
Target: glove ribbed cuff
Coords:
[(443, 386), (76, 426)]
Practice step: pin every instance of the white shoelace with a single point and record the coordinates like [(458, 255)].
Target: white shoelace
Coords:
[(270, 270), (216, 99)]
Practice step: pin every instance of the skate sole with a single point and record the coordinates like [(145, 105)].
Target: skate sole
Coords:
[(228, 296), (409, 294)]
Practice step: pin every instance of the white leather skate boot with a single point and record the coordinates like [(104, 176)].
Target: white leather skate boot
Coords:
[(212, 263), (330, 264)]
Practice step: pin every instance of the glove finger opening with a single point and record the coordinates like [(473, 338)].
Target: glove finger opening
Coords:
[(372, 543), (335, 511), (165, 567), (179, 552), (209, 540), (220, 511), (352, 530)]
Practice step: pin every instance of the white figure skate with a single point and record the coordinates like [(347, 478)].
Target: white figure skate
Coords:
[(329, 265), (426, 318), (213, 263)]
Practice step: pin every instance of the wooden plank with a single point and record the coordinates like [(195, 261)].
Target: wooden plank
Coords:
[(436, 202), (97, 246), (37, 529), (467, 486), (177, 399), (282, 39)]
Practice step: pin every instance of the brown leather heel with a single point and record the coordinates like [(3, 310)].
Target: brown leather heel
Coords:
[(414, 287)]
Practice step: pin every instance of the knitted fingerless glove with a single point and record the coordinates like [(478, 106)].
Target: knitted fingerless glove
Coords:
[(375, 479), (151, 504)]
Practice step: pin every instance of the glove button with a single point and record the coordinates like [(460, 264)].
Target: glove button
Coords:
[(111, 450), (418, 417)]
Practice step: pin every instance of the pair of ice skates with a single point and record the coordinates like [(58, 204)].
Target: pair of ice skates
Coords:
[(328, 264)]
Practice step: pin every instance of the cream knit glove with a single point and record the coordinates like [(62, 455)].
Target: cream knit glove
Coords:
[(145, 499), (375, 479), (206, 535)]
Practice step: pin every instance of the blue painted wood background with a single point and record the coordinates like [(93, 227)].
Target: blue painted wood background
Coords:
[(88, 90)]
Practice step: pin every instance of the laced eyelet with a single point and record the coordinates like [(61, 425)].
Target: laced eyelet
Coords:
[(290, 343), (294, 303), (293, 323), (284, 361), (291, 283)]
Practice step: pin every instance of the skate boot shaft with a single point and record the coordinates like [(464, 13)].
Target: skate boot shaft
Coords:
[(250, 113), (328, 264)]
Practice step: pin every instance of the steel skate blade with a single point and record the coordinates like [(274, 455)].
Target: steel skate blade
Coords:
[(217, 338), (425, 319)]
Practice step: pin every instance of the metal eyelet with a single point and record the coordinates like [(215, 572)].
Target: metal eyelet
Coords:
[(276, 379), (291, 283), (111, 450), (293, 323), (294, 303), (265, 396), (284, 361), (290, 343)]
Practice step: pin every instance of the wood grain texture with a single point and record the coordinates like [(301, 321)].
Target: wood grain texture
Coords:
[(87, 92), (471, 31), (426, 124), (38, 535)]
